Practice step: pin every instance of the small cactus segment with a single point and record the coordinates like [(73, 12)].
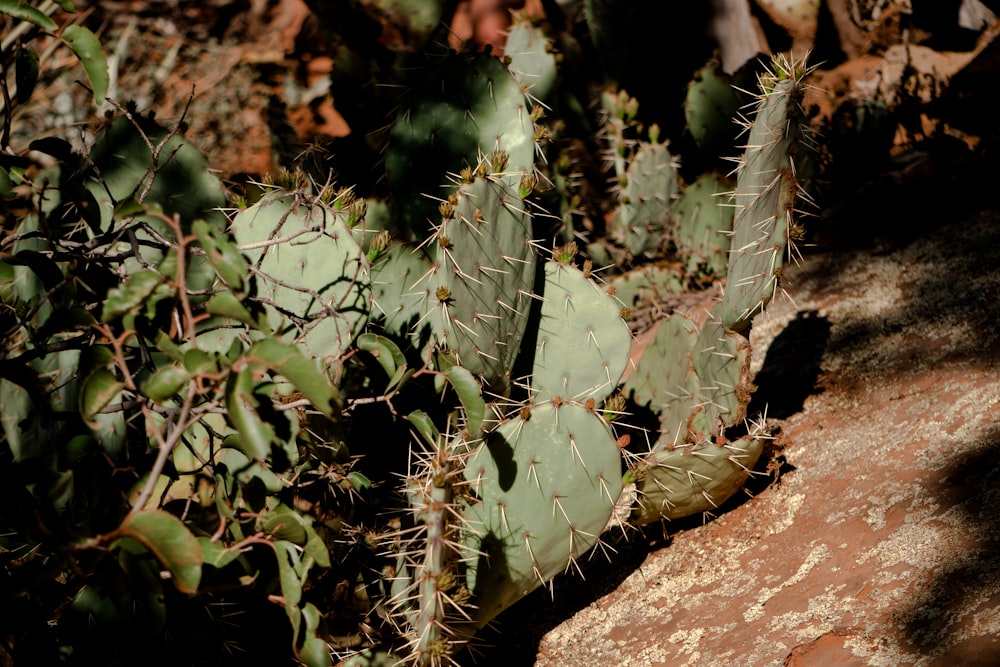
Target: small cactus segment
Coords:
[(531, 61), (721, 361), (547, 480), (691, 478), (583, 344), (703, 221), (467, 107), (427, 587), (652, 183), (400, 295), (481, 283), (766, 191), (710, 107), (664, 379), (313, 276)]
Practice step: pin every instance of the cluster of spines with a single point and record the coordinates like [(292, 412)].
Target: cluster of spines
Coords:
[(429, 597)]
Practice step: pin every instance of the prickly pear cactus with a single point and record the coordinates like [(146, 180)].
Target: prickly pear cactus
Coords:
[(650, 186), (467, 107), (766, 194), (582, 346), (697, 377), (470, 284), (314, 275), (548, 477)]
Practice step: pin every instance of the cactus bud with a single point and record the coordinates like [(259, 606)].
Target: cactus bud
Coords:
[(527, 185), (564, 254), (378, 245), (499, 160)]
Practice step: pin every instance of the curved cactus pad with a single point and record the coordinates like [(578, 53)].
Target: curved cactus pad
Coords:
[(694, 478), (583, 343), (766, 190), (548, 484)]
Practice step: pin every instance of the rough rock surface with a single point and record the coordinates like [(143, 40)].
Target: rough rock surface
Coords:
[(876, 538)]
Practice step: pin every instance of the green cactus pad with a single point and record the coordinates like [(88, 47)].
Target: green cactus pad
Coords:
[(548, 482), (481, 282), (312, 275), (693, 478), (532, 63), (400, 296), (664, 379), (703, 221), (722, 363), (467, 107), (643, 221), (583, 343), (710, 108), (766, 191)]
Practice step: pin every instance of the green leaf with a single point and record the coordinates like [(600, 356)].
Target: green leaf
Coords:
[(25, 72), (284, 524), (226, 304), (241, 404), (425, 427), (130, 296), (223, 254), (171, 542), (66, 5), (98, 390), (18, 10), (314, 651), (316, 547), (216, 555), (199, 362), (359, 481), (165, 382), (386, 352), (288, 361), (471, 395), (88, 49), (290, 575)]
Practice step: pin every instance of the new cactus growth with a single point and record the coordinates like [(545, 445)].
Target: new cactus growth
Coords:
[(582, 343)]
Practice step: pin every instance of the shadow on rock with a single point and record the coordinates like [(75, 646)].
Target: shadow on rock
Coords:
[(513, 638), (969, 492), (792, 367)]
